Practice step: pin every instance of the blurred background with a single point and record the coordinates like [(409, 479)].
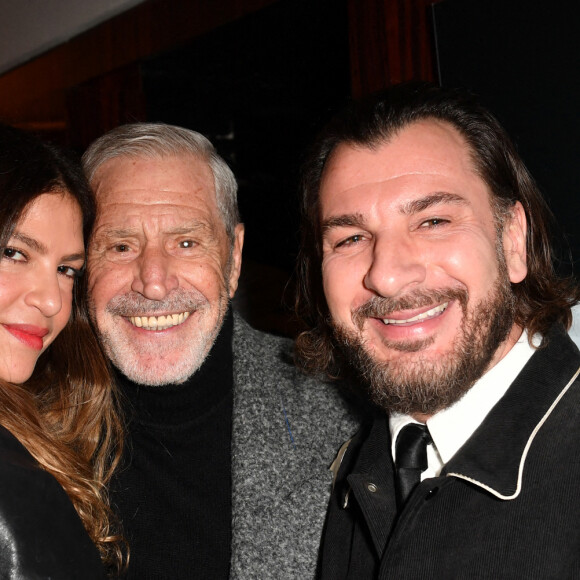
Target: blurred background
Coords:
[(260, 77)]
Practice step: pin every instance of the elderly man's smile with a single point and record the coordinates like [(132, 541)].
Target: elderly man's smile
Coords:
[(158, 322)]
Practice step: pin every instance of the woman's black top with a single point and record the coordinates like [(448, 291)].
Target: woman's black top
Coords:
[(41, 535)]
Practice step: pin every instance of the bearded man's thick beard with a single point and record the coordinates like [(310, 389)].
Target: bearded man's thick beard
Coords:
[(415, 385)]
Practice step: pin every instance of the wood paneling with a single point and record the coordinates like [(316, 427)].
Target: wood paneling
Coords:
[(103, 103), (36, 91), (390, 42)]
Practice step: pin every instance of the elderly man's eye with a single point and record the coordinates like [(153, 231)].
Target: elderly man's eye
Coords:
[(434, 222), (121, 248), (186, 244)]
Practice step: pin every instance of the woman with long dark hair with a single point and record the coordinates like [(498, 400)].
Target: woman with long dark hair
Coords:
[(58, 418)]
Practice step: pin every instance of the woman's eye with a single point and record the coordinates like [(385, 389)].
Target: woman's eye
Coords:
[(69, 271), (13, 254), (120, 248)]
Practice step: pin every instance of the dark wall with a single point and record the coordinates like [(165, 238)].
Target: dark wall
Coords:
[(523, 60), (259, 89)]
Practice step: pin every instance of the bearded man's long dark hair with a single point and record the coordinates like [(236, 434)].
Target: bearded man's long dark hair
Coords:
[(542, 298)]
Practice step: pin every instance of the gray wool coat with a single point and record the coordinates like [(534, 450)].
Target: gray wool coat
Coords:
[(287, 430)]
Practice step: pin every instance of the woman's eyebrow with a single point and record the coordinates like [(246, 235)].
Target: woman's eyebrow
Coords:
[(40, 248), (30, 242)]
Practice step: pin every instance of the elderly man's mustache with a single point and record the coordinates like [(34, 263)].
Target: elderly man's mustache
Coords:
[(134, 304)]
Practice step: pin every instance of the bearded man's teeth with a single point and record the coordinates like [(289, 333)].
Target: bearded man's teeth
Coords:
[(428, 314), (158, 322)]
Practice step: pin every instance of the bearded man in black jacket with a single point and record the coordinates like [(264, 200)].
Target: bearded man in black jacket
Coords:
[(426, 268)]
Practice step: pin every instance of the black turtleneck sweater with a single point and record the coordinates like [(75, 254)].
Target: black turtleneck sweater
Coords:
[(173, 491)]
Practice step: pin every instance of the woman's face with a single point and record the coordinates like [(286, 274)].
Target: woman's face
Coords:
[(37, 272)]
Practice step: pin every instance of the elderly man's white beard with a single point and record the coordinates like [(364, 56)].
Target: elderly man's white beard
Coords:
[(169, 362)]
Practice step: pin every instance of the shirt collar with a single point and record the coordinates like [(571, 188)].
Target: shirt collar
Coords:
[(452, 427)]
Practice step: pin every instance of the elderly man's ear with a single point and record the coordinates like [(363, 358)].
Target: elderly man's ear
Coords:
[(514, 244), (236, 260)]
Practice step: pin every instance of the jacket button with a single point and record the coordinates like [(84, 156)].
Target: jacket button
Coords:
[(372, 487), (431, 493)]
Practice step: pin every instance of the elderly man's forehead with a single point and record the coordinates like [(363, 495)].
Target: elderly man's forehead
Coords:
[(154, 180)]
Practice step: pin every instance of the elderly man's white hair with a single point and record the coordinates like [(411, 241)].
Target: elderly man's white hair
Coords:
[(157, 140)]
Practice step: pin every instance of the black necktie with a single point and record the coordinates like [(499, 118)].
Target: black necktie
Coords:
[(411, 459)]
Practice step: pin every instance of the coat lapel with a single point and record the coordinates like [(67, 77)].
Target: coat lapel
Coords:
[(494, 457)]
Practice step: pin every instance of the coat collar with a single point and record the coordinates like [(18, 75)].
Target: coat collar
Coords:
[(494, 457)]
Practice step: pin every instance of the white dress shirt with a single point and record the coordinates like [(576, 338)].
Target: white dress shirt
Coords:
[(574, 331), (452, 427)]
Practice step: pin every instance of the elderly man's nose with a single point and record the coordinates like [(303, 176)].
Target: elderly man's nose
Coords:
[(154, 277)]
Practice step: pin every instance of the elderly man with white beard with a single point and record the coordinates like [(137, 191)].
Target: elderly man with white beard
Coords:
[(225, 473), (427, 271)]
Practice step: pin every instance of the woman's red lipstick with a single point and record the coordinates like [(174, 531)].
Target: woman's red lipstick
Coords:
[(28, 334)]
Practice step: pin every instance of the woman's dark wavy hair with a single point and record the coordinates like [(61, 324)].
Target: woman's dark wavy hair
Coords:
[(66, 413), (542, 299)]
